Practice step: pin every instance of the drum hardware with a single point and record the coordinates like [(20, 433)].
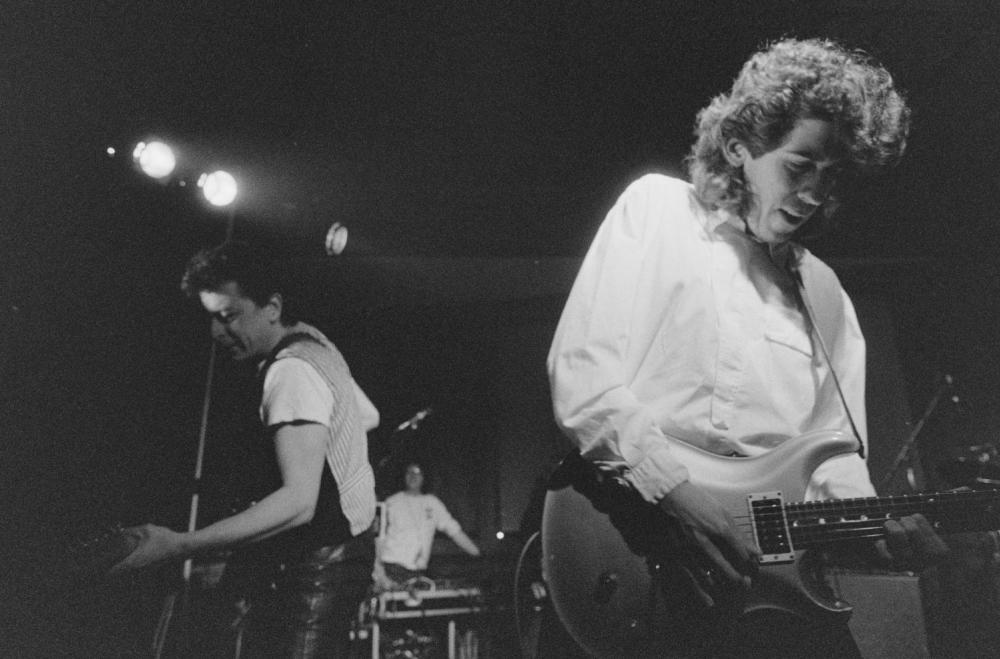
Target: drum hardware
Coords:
[(976, 466), (445, 601), (905, 454)]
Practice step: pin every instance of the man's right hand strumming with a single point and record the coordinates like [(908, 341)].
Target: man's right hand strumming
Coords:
[(714, 531)]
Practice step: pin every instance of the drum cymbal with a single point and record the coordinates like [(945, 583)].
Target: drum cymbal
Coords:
[(968, 472)]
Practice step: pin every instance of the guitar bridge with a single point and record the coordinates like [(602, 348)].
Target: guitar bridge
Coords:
[(770, 527)]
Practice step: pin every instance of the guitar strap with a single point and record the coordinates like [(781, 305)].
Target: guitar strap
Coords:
[(827, 322)]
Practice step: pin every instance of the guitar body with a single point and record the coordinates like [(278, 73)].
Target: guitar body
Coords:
[(619, 570)]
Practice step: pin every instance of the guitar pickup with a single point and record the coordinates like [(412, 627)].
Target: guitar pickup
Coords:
[(770, 527)]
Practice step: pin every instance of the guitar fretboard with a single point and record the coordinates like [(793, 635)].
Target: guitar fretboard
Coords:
[(813, 523)]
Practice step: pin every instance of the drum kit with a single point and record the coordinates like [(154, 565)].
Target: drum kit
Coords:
[(974, 467)]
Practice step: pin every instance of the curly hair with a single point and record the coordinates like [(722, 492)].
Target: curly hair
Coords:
[(253, 270), (791, 80)]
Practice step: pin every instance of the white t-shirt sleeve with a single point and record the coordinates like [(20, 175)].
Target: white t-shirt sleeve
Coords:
[(294, 391), (443, 521)]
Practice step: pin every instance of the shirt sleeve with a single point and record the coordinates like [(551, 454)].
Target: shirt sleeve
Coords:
[(590, 387), (294, 391), (443, 520)]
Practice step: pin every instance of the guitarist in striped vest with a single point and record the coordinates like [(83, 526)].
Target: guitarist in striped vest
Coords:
[(304, 543), (698, 320)]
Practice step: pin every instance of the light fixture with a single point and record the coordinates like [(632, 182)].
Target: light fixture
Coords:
[(219, 187), (154, 158), (336, 239)]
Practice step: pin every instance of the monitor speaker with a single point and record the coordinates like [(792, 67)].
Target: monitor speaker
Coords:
[(888, 618)]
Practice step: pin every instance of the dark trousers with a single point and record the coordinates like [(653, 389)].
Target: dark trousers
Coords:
[(307, 608), (400, 575)]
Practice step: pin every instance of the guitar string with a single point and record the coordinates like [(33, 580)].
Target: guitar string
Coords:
[(874, 507), (832, 521), (814, 522), (854, 529), (818, 529), (831, 516)]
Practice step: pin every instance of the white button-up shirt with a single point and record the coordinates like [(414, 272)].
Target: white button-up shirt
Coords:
[(680, 324)]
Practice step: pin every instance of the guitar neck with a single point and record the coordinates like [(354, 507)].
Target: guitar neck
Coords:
[(821, 522)]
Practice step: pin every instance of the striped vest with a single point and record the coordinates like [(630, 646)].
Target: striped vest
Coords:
[(347, 445)]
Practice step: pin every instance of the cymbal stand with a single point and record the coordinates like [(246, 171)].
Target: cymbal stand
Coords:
[(908, 446)]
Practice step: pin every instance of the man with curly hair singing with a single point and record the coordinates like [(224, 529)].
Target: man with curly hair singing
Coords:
[(697, 317)]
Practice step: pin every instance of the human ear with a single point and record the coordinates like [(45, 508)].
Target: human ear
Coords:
[(735, 152), (274, 306)]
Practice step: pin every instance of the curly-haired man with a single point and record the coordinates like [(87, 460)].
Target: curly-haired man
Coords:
[(696, 316)]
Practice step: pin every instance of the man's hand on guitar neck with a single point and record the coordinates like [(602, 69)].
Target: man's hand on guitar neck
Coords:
[(714, 531), (911, 544)]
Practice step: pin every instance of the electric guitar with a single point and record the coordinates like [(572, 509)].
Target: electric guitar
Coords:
[(627, 582)]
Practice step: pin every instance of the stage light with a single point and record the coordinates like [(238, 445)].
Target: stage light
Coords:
[(219, 187), (500, 535), (155, 158), (336, 239)]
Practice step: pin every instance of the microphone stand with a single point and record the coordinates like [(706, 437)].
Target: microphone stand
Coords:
[(167, 613), (170, 601), (910, 443), (412, 424)]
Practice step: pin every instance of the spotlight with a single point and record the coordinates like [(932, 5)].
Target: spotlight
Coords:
[(336, 239), (219, 187), (155, 158)]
